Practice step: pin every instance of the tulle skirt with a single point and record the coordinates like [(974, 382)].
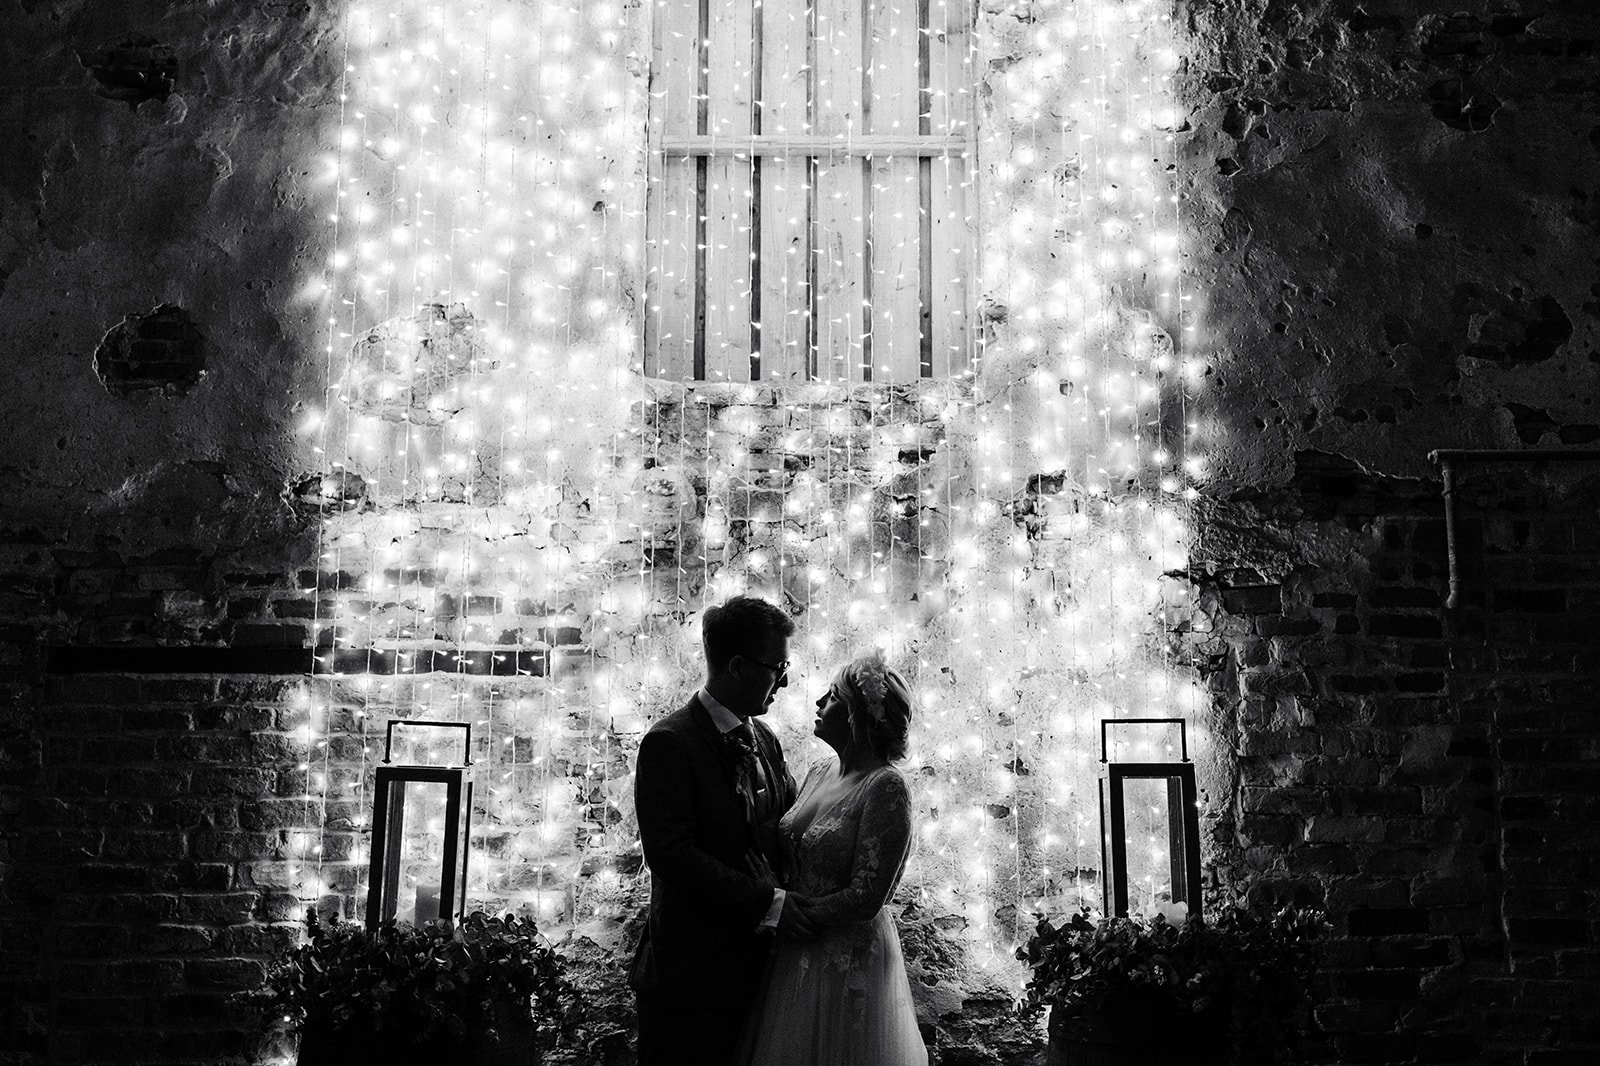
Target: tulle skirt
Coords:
[(842, 1000)]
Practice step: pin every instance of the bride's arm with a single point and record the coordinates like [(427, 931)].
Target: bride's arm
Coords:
[(882, 842)]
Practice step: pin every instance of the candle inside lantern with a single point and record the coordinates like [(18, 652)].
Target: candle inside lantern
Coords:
[(427, 905)]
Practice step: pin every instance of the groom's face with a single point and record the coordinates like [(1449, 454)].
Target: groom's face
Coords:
[(759, 676)]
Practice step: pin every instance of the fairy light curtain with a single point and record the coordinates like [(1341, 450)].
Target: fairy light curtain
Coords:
[(575, 393), (479, 346)]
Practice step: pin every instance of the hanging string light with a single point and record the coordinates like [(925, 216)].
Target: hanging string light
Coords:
[(946, 406)]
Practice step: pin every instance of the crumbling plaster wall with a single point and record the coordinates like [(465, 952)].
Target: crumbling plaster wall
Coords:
[(1394, 212), (158, 153)]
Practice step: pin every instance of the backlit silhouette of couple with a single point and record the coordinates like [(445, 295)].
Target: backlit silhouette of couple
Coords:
[(768, 942)]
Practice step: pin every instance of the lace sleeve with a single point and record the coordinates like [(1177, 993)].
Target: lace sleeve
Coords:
[(815, 768), (882, 842)]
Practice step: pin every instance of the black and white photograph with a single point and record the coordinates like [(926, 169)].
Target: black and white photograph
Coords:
[(800, 532)]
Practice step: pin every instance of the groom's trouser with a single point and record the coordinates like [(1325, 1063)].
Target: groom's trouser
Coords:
[(674, 1036)]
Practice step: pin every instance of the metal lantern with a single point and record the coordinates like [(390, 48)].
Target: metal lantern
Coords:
[(420, 815), (1149, 827)]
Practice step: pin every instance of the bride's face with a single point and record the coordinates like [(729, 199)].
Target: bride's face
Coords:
[(833, 719)]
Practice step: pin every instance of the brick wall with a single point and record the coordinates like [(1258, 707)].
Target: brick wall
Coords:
[(1526, 653), (131, 912), (136, 791), (1425, 774)]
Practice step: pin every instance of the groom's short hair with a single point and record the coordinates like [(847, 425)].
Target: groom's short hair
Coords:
[(740, 627)]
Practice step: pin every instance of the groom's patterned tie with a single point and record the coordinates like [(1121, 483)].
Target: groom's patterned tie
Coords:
[(749, 779)]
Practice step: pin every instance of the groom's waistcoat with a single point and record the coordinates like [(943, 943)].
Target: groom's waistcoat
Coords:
[(700, 943)]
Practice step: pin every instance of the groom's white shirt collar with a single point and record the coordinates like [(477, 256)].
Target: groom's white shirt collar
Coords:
[(721, 717)]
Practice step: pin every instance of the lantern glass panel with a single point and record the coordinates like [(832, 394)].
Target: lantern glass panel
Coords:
[(1147, 740), (421, 817), (426, 744), (1149, 819), (1149, 835), (421, 849)]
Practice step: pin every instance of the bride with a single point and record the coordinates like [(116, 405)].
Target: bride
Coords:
[(843, 998)]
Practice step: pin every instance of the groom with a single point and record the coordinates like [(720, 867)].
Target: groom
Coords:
[(710, 787)]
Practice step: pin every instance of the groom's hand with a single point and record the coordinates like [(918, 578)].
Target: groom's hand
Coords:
[(760, 868), (796, 923)]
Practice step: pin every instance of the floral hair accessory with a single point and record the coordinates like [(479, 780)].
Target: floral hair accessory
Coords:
[(871, 679)]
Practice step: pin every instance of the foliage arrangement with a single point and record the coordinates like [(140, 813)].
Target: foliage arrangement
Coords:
[(419, 983), (1248, 965)]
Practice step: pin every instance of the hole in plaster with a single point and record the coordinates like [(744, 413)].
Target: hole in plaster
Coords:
[(1396, 330), (1463, 105), (1361, 22), (1531, 423), (132, 71), (414, 367), (1509, 25), (160, 350), (1236, 121), (1228, 167), (1459, 35), (335, 490), (1521, 331), (1423, 230)]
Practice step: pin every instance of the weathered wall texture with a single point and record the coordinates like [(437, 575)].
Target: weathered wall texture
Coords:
[(1393, 231), (1395, 203), (155, 155), (1395, 210), (155, 158)]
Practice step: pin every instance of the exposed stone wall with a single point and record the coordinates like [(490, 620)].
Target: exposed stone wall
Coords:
[(1419, 771)]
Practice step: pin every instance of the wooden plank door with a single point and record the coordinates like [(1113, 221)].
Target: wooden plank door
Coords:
[(810, 215)]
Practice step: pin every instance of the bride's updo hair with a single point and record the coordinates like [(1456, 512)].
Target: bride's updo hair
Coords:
[(880, 698)]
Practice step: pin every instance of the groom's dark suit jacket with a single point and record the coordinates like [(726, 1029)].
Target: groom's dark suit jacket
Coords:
[(700, 943)]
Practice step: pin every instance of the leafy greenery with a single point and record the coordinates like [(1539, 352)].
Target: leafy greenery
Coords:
[(423, 982), (1249, 965)]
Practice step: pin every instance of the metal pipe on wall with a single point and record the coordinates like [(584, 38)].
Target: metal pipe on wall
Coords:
[(1446, 458)]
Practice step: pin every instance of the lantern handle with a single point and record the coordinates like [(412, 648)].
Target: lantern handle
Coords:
[(1183, 732), (466, 746)]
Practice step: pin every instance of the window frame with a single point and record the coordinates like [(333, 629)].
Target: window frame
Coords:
[(686, 263)]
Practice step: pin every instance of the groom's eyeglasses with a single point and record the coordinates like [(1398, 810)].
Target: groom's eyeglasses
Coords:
[(781, 669)]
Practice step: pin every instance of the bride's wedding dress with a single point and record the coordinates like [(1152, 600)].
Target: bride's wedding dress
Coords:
[(843, 999)]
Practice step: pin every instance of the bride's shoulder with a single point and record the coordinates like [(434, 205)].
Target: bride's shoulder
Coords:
[(889, 783)]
